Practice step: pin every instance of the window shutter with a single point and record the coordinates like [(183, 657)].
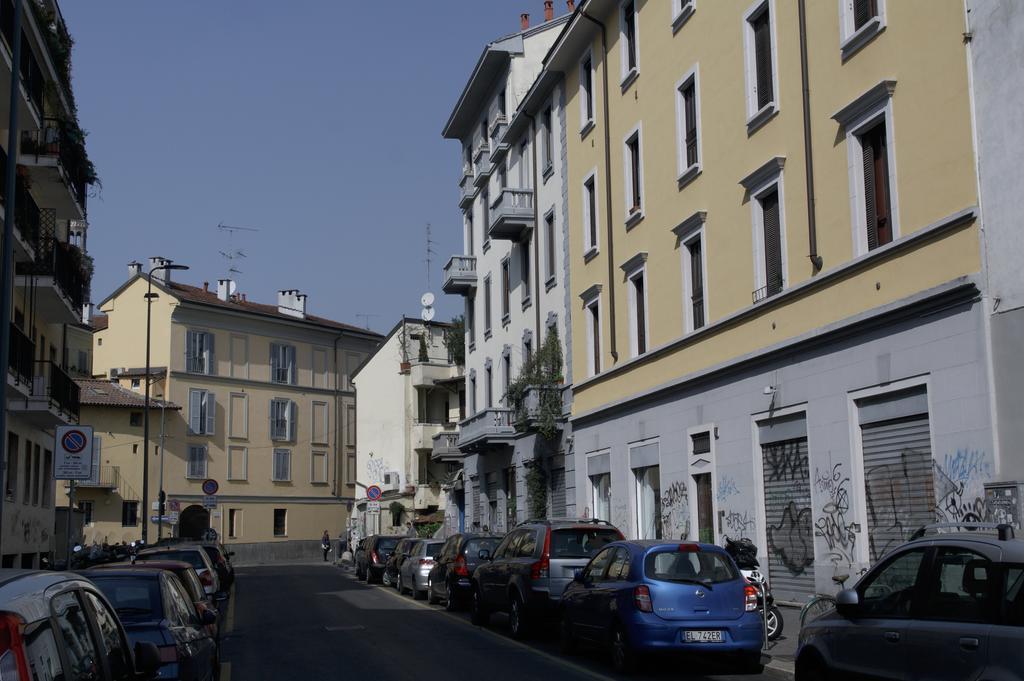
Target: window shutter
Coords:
[(293, 369), (190, 349), (772, 244), (763, 58), (211, 360), (690, 107), (273, 420), (697, 283), (274, 362), (211, 413), (871, 216), (195, 411), (293, 421), (641, 316)]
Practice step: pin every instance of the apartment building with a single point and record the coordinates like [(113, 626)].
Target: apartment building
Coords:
[(512, 273), (51, 269), (267, 407), (413, 392), (779, 318)]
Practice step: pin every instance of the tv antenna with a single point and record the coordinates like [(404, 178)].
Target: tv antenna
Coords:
[(430, 252), (365, 316), (232, 254)]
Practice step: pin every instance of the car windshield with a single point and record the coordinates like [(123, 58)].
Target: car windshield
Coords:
[(434, 549), (705, 567), (581, 542), (475, 546), (193, 558), (132, 598), (387, 543)]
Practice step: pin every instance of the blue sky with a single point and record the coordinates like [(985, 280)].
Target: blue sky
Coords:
[(316, 121)]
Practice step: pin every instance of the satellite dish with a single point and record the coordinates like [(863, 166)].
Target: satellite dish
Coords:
[(232, 287), (427, 314), (427, 299)]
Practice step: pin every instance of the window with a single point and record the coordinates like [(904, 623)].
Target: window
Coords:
[(636, 275), (547, 121), (891, 591), (12, 465), (350, 468), (524, 164), (860, 22), (524, 270), (863, 11), (280, 522), (877, 208), (318, 467), (283, 420), (136, 384), (202, 410), (601, 495), (587, 93), (689, 128), (129, 513), (282, 363), (760, 65), (37, 455), (489, 386), (594, 337), (238, 463), (549, 241), (594, 572), (502, 176), (506, 292), (1013, 596), (961, 587), (527, 351), (238, 416), (350, 431), (48, 476), (472, 394), (648, 502), (681, 11), (114, 645), (501, 104), (282, 465), (135, 419), (471, 319), (485, 217), (79, 646), (693, 281), (487, 306), (197, 458), (86, 508), (634, 177), (41, 652), (321, 423), (771, 243), (627, 38), (590, 214), (234, 522), (469, 232), (506, 378), (199, 358)]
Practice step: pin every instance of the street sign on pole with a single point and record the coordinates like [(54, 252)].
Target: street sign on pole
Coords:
[(210, 501), (174, 506), (374, 493), (210, 487), (373, 507), (73, 453)]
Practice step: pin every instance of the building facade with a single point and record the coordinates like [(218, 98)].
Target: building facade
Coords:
[(51, 271), (413, 394), (779, 323), (268, 409), (514, 278)]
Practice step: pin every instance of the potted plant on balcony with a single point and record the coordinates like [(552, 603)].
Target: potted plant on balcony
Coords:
[(541, 376)]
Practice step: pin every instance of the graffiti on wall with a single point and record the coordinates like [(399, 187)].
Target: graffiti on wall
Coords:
[(967, 466), (957, 501), (726, 488), (791, 540), (737, 525), (835, 525), (375, 470), (675, 511)]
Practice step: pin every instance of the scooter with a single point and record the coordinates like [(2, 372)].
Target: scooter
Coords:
[(744, 552)]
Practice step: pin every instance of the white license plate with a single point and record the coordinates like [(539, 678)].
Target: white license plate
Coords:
[(702, 636)]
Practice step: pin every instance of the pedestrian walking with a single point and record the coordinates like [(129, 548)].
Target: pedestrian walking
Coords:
[(410, 531), (325, 544)]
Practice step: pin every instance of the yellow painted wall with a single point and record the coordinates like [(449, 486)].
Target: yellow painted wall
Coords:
[(123, 343)]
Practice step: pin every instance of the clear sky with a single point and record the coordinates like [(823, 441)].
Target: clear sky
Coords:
[(317, 122)]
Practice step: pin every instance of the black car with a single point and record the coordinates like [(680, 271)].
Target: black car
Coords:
[(155, 608), (372, 557), (402, 551), (450, 579), (531, 567), (221, 559)]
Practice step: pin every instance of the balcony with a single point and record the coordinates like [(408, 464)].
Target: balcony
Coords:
[(32, 78), (61, 281), (538, 398), (426, 374), (58, 167), (512, 214), (483, 173), (103, 477), (423, 435), (459, 274), (487, 428), (482, 151), (54, 399), (27, 217), (446, 447), (467, 190), (499, 147), (427, 497), (19, 364)]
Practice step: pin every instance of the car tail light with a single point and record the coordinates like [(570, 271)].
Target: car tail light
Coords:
[(168, 654), (206, 577), (459, 567), (750, 598), (426, 561), (642, 599), (374, 557), (689, 548), (542, 568), (12, 651)]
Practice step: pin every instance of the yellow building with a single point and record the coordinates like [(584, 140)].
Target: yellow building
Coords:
[(267, 409), (778, 310)]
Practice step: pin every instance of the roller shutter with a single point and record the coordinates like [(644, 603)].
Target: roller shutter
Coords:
[(787, 501), (557, 492)]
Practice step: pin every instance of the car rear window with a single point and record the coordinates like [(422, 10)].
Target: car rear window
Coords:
[(434, 549), (193, 558), (706, 567), (133, 599), (581, 542), (387, 543), (474, 546)]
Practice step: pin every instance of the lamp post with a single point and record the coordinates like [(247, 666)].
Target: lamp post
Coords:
[(168, 265), (161, 497)]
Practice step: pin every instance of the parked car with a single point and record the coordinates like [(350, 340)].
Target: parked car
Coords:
[(397, 559), (373, 555), (414, 573), (195, 556), (451, 577), (531, 567), (944, 606), (221, 559), (636, 597), (57, 625), (155, 608)]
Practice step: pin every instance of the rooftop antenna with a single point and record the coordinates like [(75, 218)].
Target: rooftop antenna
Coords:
[(427, 299), (365, 316), (233, 254), (430, 252)]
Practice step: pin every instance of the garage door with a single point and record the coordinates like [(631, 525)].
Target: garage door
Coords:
[(557, 492), (787, 508), (475, 501)]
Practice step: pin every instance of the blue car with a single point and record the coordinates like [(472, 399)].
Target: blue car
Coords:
[(640, 597)]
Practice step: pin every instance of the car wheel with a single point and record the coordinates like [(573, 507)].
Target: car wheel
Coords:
[(451, 602), (566, 640), (431, 596), (623, 657), (775, 623), (385, 578), (479, 614), (517, 618), (811, 668)]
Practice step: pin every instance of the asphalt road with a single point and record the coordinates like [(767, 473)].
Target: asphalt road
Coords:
[(317, 622)]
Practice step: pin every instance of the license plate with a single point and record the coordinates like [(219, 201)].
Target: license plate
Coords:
[(702, 636), (576, 572)]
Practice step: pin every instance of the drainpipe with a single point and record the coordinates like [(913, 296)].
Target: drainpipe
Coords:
[(607, 191), (536, 228), (812, 229), (336, 491)]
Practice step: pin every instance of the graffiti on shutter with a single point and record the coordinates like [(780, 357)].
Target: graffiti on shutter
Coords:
[(787, 507)]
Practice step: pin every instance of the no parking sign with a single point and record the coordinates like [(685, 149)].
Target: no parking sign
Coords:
[(73, 458)]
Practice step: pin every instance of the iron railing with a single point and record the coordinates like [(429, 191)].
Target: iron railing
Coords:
[(768, 291), (68, 273), (61, 389), (196, 365), (20, 358), (107, 477), (53, 141), (31, 73)]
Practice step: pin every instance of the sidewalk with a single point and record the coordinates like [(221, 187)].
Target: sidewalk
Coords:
[(783, 650)]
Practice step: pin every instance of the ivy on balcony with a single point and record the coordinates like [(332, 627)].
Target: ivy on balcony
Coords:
[(540, 375)]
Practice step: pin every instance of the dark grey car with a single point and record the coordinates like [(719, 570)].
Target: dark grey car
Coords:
[(948, 606), (372, 555), (450, 579)]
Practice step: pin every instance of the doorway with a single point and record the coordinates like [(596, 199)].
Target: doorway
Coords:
[(194, 522)]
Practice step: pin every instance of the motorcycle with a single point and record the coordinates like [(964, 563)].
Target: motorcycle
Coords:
[(744, 552)]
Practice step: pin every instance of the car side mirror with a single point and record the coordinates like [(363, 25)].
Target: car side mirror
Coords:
[(580, 578), (147, 660), (484, 554), (848, 603), (208, 617), (220, 596)]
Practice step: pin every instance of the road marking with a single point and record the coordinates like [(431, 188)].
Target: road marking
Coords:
[(225, 671), (455, 618)]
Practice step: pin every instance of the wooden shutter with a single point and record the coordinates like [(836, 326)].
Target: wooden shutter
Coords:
[(293, 367), (641, 315), (863, 11), (763, 58), (875, 158), (211, 413), (211, 360), (690, 112), (293, 421), (595, 321), (871, 218), (634, 162), (697, 283), (592, 212), (195, 411), (772, 243), (190, 350)]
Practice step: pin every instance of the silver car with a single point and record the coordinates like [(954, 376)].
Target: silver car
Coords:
[(413, 574), (947, 606)]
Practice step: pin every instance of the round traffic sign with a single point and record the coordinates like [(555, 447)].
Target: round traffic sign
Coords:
[(74, 441), (210, 487), (374, 493)]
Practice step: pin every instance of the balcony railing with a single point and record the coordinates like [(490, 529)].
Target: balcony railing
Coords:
[(511, 214), (196, 365), (104, 477), (67, 265), (22, 353), (483, 149), (768, 291), (459, 274), (54, 141), (31, 73), (57, 385), (491, 426), (446, 446)]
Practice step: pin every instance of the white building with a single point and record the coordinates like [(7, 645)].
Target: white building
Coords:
[(513, 273), (411, 396)]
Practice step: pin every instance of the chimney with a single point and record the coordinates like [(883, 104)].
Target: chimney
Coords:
[(549, 10), (161, 275), (206, 286), (291, 303), (524, 21), (224, 289), (571, 4), (134, 268)]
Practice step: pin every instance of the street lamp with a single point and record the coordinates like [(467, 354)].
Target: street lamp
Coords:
[(167, 265), (161, 496)]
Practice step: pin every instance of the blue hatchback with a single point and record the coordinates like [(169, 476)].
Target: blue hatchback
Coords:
[(655, 596)]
